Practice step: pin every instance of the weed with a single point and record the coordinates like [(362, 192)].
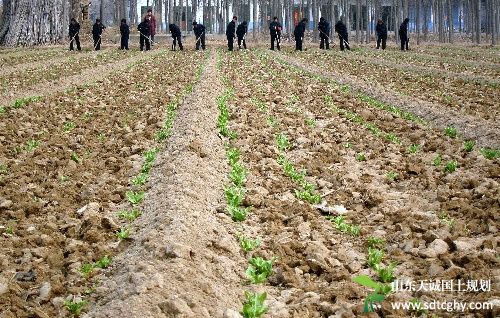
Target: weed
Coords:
[(438, 160), (123, 233), (469, 145), (391, 175), (75, 307), (32, 145), (360, 157), (129, 215), (413, 149), (140, 179), (490, 153), (69, 126), (282, 142), (375, 242), (75, 157), (135, 197), (450, 166), (386, 274), (340, 224), (248, 244), (259, 269), (375, 257), (103, 262), (451, 131), (254, 305), (86, 269)]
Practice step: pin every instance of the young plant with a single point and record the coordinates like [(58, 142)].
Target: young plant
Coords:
[(446, 219), (238, 213), (413, 149), (386, 274), (150, 155), (271, 121), (129, 215), (259, 269), (135, 197), (86, 269), (392, 138), (4, 169), (451, 131), (360, 157), (490, 153), (75, 157), (233, 155), (375, 257), (282, 142), (68, 126), (308, 196), (32, 145), (438, 160), (103, 262), (75, 307), (254, 305), (311, 122), (391, 175), (340, 224), (375, 242), (469, 145), (123, 233), (101, 137), (248, 244), (450, 166), (234, 195), (140, 179), (380, 291), (238, 174), (2, 110)]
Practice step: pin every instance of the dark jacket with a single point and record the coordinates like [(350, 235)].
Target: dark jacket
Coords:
[(241, 30), (231, 30), (300, 29), (124, 30), (381, 30), (74, 29), (275, 28), (198, 29), (341, 29), (403, 29), (324, 28), (97, 29), (174, 30), (143, 27)]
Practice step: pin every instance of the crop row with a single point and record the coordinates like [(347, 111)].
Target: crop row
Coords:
[(17, 56)]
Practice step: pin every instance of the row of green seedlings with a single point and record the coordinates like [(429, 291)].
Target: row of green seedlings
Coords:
[(259, 269), (135, 195), (19, 103), (382, 287)]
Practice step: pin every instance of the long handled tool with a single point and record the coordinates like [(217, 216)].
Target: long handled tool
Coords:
[(199, 38), (149, 38), (74, 36), (97, 43)]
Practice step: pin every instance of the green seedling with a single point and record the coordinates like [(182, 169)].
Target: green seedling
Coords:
[(32, 145), (103, 262), (20, 102), (311, 122), (418, 307), (140, 179), (386, 274), (413, 149), (469, 145), (360, 157), (375, 257), (380, 291), (271, 121), (146, 167), (150, 155), (134, 197), (86, 269), (4, 169), (101, 137), (234, 195), (238, 213), (68, 126), (347, 145), (438, 160), (162, 134), (233, 155), (10, 230), (308, 195), (75, 307), (238, 174), (375, 242), (123, 233), (248, 244), (340, 224), (2, 110), (259, 104), (282, 142), (63, 179), (490, 153), (344, 88), (451, 131), (74, 157), (446, 219), (391, 175), (450, 166), (129, 215), (87, 116), (392, 138), (254, 305), (259, 269)]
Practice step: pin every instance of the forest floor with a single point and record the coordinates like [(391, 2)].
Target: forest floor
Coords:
[(130, 182)]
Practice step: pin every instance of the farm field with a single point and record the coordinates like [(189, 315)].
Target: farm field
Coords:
[(266, 183)]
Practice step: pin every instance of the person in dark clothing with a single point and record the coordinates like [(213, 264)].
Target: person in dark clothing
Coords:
[(341, 30), (241, 31), (231, 33), (403, 34), (176, 36), (324, 34), (298, 33), (125, 33), (74, 30), (275, 31), (199, 33), (381, 31), (144, 34), (97, 33)]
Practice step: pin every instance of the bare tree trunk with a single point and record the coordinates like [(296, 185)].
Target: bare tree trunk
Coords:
[(477, 14), (450, 22)]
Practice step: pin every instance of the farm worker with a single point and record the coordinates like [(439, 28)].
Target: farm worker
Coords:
[(324, 34), (381, 31), (74, 30), (125, 32), (241, 31), (298, 32), (341, 30), (275, 31), (152, 25), (176, 36), (199, 33), (231, 33), (97, 33), (144, 34), (403, 34)]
